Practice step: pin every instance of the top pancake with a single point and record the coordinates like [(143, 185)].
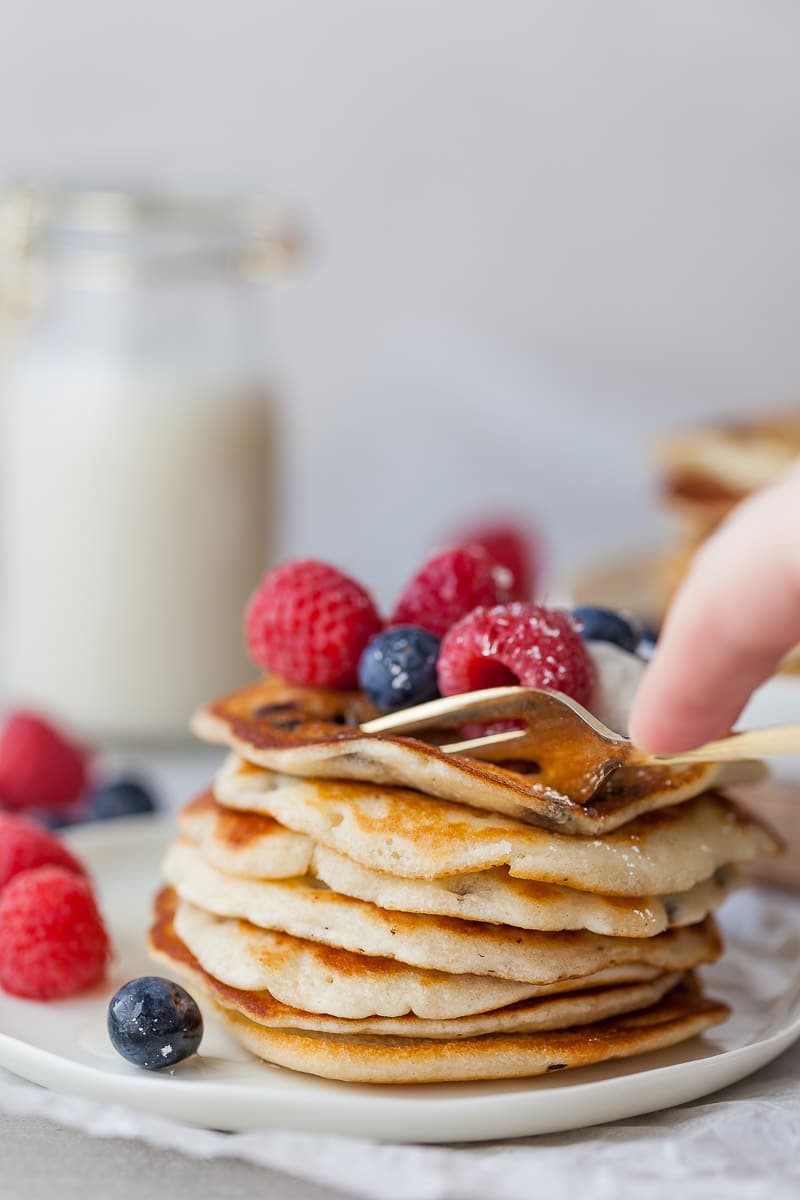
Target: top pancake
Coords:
[(314, 733)]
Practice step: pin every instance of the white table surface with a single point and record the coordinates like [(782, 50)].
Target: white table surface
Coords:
[(740, 1142)]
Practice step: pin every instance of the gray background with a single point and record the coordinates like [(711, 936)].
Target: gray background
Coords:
[(541, 229)]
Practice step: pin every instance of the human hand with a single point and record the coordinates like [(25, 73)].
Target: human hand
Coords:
[(735, 616)]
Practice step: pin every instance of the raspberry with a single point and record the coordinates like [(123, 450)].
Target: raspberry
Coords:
[(513, 547), (39, 767), (52, 939), (516, 643), (449, 586), (24, 845), (309, 623)]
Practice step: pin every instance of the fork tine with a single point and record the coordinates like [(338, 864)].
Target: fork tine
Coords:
[(533, 705), (489, 739), (490, 703)]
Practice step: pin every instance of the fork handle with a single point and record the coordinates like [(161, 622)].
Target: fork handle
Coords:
[(750, 743)]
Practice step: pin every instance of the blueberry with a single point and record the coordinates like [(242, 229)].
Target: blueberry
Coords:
[(154, 1023), (122, 798), (648, 640), (398, 667), (57, 820), (605, 625)]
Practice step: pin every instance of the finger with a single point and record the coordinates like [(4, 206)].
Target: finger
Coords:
[(733, 620)]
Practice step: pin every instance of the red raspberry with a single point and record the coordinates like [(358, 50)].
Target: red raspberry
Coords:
[(513, 547), (39, 767), (24, 845), (448, 587), (52, 939), (516, 643), (309, 623)]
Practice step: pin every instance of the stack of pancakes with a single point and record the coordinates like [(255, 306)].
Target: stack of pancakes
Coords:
[(705, 472), (370, 908)]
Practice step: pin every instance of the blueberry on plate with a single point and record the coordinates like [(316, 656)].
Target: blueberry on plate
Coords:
[(154, 1023), (122, 798), (398, 667), (605, 625)]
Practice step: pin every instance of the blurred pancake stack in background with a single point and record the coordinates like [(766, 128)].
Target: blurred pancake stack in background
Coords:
[(705, 472)]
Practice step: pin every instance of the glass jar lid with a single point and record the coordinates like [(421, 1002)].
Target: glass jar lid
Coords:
[(114, 236)]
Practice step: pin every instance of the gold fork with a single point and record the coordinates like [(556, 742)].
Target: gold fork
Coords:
[(573, 751)]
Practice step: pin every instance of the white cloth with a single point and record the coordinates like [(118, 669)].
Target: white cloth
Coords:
[(740, 1144)]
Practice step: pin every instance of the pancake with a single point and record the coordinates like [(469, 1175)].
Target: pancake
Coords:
[(496, 897), (179, 940), (405, 833), (244, 844), (360, 1057), (722, 463), (318, 978), (306, 909), (311, 733), (705, 472), (683, 1013)]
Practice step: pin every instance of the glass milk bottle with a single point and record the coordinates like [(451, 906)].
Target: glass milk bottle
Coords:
[(138, 455)]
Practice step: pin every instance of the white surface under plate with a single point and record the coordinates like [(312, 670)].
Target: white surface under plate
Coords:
[(64, 1045)]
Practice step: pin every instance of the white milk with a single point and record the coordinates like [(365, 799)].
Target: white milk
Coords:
[(136, 483), (135, 512)]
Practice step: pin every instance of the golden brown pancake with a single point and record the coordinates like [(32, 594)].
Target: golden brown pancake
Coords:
[(682, 1014), (259, 1005), (373, 1058), (306, 909), (705, 472), (247, 845), (719, 464), (325, 979), (310, 733), (404, 833)]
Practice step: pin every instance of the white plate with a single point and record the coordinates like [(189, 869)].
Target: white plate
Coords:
[(64, 1045)]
